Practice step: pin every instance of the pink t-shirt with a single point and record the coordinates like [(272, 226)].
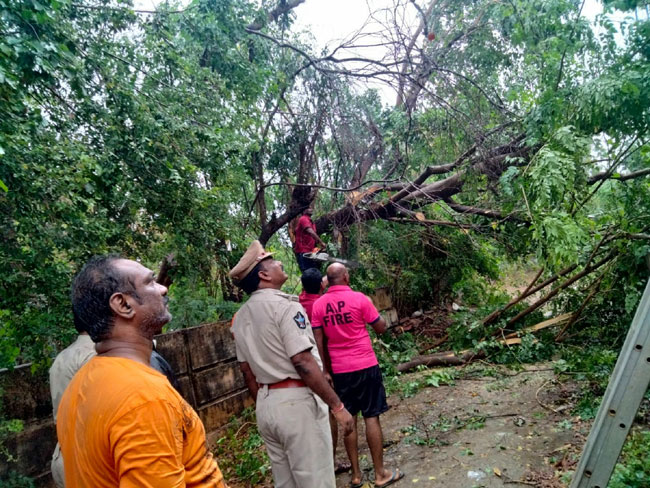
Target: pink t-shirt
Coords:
[(307, 301), (304, 242), (343, 315)]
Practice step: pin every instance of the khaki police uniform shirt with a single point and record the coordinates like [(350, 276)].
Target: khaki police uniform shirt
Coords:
[(66, 365), (269, 329)]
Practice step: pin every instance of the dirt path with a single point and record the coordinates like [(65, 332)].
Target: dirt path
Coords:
[(481, 432)]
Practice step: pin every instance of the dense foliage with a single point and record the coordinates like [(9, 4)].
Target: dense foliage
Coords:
[(195, 128)]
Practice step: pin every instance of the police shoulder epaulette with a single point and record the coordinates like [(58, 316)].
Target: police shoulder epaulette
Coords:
[(291, 298)]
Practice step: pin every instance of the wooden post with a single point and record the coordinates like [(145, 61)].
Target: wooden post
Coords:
[(625, 391)]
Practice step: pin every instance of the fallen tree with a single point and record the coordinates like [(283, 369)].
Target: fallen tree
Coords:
[(451, 358)]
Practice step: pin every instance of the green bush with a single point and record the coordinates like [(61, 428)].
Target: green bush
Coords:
[(190, 304), (15, 480), (633, 470)]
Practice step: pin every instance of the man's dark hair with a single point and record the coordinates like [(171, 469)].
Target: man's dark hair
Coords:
[(252, 280), (311, 280), (91, 291)]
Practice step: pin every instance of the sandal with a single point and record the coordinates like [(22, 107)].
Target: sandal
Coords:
[(342, 467), (394, 477)]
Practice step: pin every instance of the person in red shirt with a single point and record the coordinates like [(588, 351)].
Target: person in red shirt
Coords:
[(339, 321), (313, 286), (305, 242)]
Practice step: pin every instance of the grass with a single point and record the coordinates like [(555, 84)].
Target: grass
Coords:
[(241, 453)]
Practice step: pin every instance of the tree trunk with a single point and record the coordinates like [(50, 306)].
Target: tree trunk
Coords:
[(448, 358), (166, 266)]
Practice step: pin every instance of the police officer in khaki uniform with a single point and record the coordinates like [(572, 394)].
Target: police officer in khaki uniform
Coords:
[(279, 358), (66, 364)]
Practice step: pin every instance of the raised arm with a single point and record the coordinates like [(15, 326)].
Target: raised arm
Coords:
[(313, 234)]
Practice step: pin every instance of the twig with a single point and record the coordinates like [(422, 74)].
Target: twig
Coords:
[(540, 402), (532, 219), (242, 426), (561, 335), (437, 343)]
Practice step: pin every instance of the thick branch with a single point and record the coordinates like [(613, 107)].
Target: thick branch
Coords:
[(301, 198), (273, 15), (166, 265), (466, 209), (441, 359), (443, 189), (444, 223), (610, 175), (370, 156)]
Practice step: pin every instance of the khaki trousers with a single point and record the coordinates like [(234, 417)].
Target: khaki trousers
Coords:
[(294, 424), (57, 467)]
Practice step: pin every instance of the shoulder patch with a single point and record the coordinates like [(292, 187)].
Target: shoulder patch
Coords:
[(300, 320)]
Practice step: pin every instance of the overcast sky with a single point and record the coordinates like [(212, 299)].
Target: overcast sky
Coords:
[(329, 21)]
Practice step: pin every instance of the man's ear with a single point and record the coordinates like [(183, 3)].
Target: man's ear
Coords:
[(120, 304), (263, 274)]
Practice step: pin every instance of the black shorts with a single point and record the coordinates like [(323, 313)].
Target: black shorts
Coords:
[(362, 391)]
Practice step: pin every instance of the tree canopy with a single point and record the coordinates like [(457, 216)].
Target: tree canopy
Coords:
[(517, 128)]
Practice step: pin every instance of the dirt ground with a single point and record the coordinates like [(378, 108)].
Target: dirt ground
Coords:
[(512, 429)]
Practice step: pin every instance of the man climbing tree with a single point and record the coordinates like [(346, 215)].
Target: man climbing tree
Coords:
[(306, 238)]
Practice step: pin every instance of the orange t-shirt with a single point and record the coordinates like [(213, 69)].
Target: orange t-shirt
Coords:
[(121, 423)]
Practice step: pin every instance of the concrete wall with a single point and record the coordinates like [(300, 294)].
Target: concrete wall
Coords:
[(208, 374), (202, 357)]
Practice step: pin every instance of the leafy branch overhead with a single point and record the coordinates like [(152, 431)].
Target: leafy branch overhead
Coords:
[(436, 137)]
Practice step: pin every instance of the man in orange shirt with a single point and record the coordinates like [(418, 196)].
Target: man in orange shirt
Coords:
[(120, 422)]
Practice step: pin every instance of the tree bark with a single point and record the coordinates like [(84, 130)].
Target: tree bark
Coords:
[(609, 175), (416, 196), (301, 198), (273, 15), (166, 265), (448, 358)]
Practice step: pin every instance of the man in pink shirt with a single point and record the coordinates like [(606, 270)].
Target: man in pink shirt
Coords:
[(305, 242), (339, 321), (313, 286)]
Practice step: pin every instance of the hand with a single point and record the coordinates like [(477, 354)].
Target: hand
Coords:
[(345, 420)]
